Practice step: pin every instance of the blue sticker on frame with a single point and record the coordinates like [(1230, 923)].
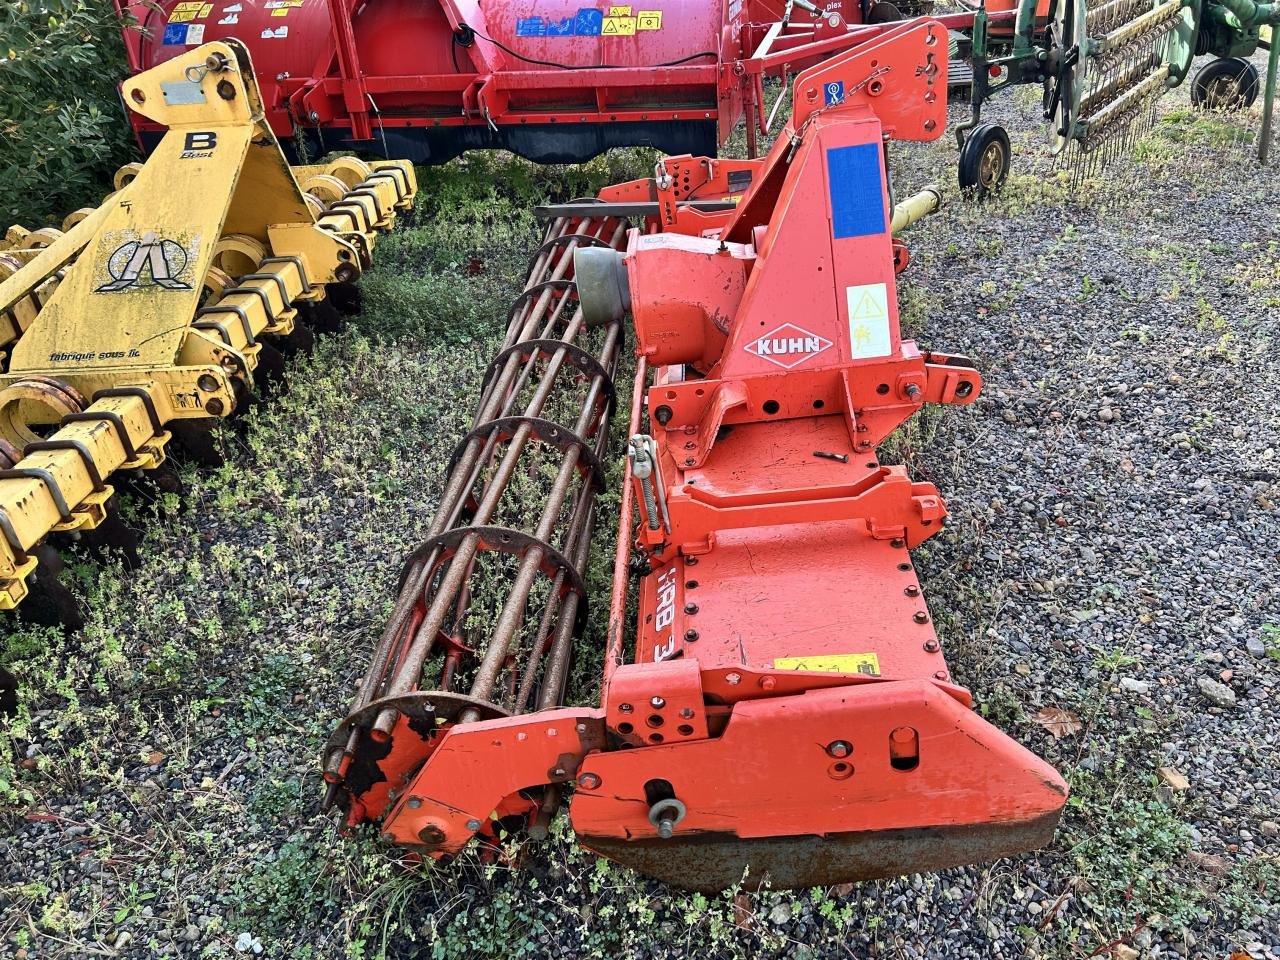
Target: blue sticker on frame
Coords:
[(833, 92), (857, 191), (587, 22), (175, 33)]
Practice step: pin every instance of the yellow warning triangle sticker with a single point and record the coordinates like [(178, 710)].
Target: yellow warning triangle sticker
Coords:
[(868, 308), (610, 26)]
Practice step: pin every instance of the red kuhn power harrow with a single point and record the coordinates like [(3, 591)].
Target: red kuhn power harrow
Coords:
[(787, 711)]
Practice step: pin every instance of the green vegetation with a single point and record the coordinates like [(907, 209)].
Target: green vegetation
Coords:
[(62, 127)]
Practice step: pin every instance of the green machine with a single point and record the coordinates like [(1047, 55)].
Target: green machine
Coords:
[(1104, 65)]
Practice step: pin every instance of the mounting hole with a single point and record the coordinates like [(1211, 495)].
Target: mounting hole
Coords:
[(904, 567), (655, 720), (819, 404), (871, 464), (625, 728), (655, 738), (904, 748), (137, 96), (686, 730), (964, 388), (771, 407), (882, 389), (691, 584), (840, 770)]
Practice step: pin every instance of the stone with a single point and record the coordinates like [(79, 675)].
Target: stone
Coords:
[(1269, 828), (1219, 694), (1174, 778), (1140, 687)]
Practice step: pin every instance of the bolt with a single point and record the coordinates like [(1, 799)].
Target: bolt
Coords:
[(690, 608), (932, 645), (897, 543), (558, 771), (920, 617), (839, 749), (414, 803), (913, 391), (687, 713), (940, 675), (589, 781), (473, 824), (912, 591), (665, 830), (690, 445), (625, 708), (691, 561), (733, 679), (691, 635), (657, 703), (689, 461), (582, 728), (663, 414), (214, 407), (767, 683)]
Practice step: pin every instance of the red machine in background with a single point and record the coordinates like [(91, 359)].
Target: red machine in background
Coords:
[(559, 81), (787, 713)]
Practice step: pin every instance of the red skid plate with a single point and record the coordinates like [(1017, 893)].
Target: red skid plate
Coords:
[(830, 786)]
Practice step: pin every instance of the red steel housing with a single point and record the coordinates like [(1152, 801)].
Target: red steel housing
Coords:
[(557, 81)]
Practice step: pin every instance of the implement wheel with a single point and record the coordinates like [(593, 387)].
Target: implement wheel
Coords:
[(984, 160), (1230, 83)]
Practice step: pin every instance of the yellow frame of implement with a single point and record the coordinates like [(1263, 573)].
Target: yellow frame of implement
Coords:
[(112, 309)]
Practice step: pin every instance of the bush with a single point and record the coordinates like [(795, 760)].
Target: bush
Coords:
[(62, 127)]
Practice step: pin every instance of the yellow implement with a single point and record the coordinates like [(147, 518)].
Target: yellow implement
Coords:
[(154, 306)]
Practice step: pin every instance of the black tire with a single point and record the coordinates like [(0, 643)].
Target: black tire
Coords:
[(984, 160), (1229, 83)]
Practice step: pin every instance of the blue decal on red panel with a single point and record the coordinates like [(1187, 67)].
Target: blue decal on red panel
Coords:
[(585, 23), (174, 34), (857, 191), (589, 22)]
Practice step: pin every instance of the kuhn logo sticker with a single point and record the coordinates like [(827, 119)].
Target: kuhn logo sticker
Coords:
[(788, 346), (148, 261)]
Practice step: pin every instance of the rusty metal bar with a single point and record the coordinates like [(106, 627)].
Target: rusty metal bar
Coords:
[(534, 454)]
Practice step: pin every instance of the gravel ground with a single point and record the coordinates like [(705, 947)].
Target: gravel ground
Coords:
[(1113, 554)]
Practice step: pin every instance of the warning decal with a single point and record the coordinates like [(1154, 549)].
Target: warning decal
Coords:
[(867, 664), (618, 21), (868, 320)]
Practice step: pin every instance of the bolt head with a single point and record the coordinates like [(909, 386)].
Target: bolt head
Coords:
[(589, 781), (657, 703), (839, 749), (767, 683), (473, 824), (625, 708), (920, 617), (733, 679), (414, 803)]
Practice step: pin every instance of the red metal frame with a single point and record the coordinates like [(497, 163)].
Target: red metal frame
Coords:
[(324, 80), (787, 710)]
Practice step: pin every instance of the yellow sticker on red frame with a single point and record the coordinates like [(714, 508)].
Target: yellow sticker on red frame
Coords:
[(867, 664)]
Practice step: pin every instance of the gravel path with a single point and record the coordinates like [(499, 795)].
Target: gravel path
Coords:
[(1113, 553)]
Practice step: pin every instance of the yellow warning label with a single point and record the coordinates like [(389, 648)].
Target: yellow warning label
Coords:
[(867, 664), (204, 11), (619, 27), (282, 12), (186, 6), (649, 20), (619, 11), (183, 16)]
